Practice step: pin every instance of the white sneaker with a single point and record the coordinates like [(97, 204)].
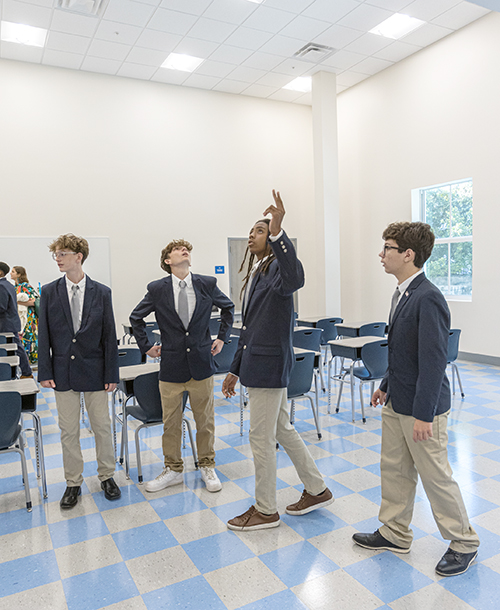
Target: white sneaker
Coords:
[(210, 478), (165, 479)]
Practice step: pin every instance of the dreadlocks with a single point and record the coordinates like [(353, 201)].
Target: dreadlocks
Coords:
[(262, 268)]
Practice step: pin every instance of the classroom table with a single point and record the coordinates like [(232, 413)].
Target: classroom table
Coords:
[(351, 329), (28, 389), (347, 348), (10, 348), (13, 361)]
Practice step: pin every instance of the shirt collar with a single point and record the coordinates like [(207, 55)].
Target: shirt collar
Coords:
[(404, 285), (81, 283), (188, 279), (259, 263)]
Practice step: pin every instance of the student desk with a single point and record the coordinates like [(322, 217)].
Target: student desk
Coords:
[(13, 361), (10, 348), (351, 329), (8, 336)]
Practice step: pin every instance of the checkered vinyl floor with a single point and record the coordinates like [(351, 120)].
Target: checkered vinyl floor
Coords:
[(173, 550)]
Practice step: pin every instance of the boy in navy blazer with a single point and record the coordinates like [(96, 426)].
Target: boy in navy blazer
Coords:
[(415, 393), (78, 353), (182, 304), (263, 363)]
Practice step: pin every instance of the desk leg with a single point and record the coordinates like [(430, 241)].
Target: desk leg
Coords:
[(40, 456), (351, 370), (316, 406)]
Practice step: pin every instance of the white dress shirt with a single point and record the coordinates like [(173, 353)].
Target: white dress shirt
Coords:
[(404, 285), (80, 294), (191, 295)]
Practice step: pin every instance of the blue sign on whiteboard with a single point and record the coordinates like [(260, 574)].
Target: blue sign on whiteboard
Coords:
[(219, 269)]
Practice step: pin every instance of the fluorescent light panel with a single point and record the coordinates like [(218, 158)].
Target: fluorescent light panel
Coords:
[(397, 26), (256, 1), (301, 83), (184, 63), (23, 34)]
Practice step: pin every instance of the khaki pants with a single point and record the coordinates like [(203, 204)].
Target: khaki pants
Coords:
[(68, 409), (401, 459), (201, 400), (270, 423)]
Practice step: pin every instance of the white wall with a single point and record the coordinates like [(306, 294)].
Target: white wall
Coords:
[(144, 163), (431, 118)]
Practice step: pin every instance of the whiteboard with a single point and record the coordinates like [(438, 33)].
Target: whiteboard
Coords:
[(33, 254)]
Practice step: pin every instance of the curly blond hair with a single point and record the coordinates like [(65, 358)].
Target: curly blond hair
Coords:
[(71, 242), (165, 253)]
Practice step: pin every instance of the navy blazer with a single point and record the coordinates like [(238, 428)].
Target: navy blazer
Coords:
[(416, 380), (185, 353), (87, 360), (264, 357), (9, 318)]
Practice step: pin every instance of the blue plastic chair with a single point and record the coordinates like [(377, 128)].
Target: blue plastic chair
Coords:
[(214, 325), (374, 329), (3, 339), (453, 341), (11, 437), (148, 410), (5, 371), (152, 337), (3, 352), (309, 338), (300, 383)]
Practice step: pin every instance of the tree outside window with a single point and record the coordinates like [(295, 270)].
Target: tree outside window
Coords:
[(448, 210)]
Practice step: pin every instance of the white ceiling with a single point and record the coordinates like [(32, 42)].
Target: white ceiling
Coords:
[(248, 48)]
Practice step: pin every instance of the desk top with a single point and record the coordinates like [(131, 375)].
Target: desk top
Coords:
[(12, 360), (23, 386), (7, 335), (309, 328), (128, 373), (9, 347), (300, 350), (354, 325), (355, 342)]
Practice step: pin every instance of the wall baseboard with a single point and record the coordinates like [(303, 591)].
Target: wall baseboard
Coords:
[(479, 358)]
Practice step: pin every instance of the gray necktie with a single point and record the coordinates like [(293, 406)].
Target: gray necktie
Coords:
[(75, 308), (183, 304), (394, 304)]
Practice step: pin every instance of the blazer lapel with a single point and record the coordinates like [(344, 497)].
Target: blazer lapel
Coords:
[(251, 289), (170, 301), (62, 292), (88, 300), (407, 295), (196, 287)]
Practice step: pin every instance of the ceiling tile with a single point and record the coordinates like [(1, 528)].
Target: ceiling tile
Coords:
[(397, 51), (173, 77), (210, 29), (27, 14), (214, 68), (338, 36), (365, 17), (118, 32), (390, 5), (282, 45), (146, 57), (200, 81), (231, 55), (368, 44), (61, 59), (248, 38), (59, 41), (172, 22), (259, 91), (428, 9), (73, 24), (426, 34), (45, 3), (460, 15), (103, 66), (294, 6), (230, 86), (108, 50), (127, 11), (275, 80), (348, 79), (136, 71), (262, 61), (160, 41), (196, 47), (285, 95), (269, 19), (326, 10), (305, 99), (21, 52), (247, 75), (304, 28), (230, 11), (194, 7), (343, 60), (294, 67), (371, 65)]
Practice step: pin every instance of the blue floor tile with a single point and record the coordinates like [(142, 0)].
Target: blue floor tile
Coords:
[(478, 587), (192, 594), (217, 551), (279, 601), (29, 572), (143, 540), (178, 504), (77, 530)]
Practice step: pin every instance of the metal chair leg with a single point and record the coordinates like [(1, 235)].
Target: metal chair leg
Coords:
[(454, 368), (24, 469), (362, 402), (186, 423)]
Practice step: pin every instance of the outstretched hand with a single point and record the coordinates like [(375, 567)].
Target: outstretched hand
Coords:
[(277, 213)]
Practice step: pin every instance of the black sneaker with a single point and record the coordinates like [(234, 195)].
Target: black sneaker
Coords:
[(376, 542), (453, 563)]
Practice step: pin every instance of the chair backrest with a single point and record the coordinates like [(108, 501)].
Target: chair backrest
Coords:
[(375, 358), (150, 327), (453, 341), (127, 356), (10, 414), (225, 357), (3, 339), (307, 338), (5, 371), (147, 394), (301, 375), (213, 325), (375, 329), (329, 329), (3, 352)]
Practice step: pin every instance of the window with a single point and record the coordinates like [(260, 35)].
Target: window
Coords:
[(448, 209)]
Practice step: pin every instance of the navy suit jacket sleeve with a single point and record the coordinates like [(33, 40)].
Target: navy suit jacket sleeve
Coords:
[(45, 370), (141, 311), (226, 307)]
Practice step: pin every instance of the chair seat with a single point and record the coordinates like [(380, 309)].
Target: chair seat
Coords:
[(141, 415), (361, 373)]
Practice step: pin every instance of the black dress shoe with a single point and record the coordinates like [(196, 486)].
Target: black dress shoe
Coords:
[(111, 489), (70, 497), (377, 542), (453, 563)]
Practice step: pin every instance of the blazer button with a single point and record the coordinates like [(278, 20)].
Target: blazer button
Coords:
[(187, 334), (188, 349), (284, 250), (74, 340), (243, 328), (72, 357)]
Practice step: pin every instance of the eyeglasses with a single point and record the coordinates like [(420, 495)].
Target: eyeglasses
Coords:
[(387, 247), (57, 255)]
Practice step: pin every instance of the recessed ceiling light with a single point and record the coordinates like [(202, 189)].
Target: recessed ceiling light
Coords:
[(301, 83), (23, 34), (185, 63), (397, 26), (256, 1)]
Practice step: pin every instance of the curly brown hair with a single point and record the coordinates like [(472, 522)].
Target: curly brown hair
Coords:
[(72, 243), (165, 253), (416, 236)]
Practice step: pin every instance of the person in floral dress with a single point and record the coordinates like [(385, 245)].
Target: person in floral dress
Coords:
[(26, 296)]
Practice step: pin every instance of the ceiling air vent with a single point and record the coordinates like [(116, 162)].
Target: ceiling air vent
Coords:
[(83, 7), (315, 53)]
